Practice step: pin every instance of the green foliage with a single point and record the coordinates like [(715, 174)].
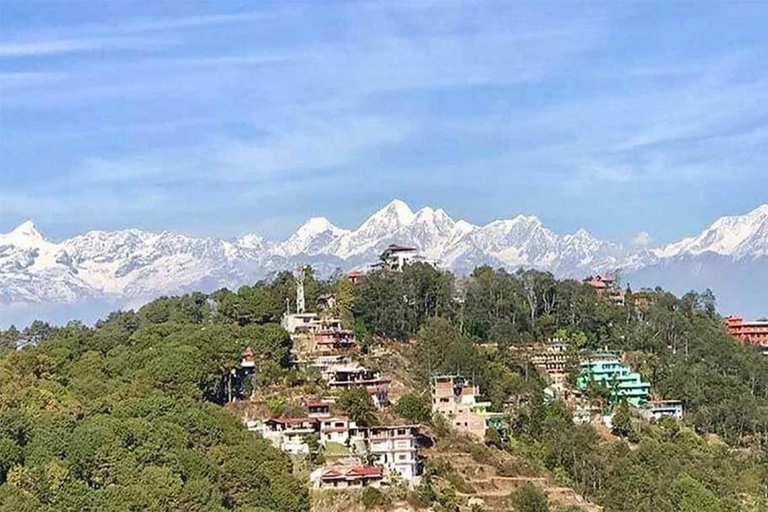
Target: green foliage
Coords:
[(116, 417), (344, 297), (530, 499), (395, 304), (441, 348), (357, 403), (493, 438), (372, 498), (414, 407), (622, 420), (689, 495)]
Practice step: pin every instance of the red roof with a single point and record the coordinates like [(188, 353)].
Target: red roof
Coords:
[(354, 273), (336, 473), (316, 403), (365, 471)]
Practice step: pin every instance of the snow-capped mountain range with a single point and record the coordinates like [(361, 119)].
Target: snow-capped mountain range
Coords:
[(129, 267)]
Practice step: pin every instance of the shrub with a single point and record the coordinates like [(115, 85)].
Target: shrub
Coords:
[(372, 497)]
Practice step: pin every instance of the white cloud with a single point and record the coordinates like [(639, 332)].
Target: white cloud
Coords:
[(641, 240), (315, 144)]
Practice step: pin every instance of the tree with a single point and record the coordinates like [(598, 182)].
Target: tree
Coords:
[(414, 407), (441, 348), (357, 403), (689, 495), (344, 299), (622, 420)]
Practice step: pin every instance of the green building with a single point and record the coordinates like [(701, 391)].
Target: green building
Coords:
[(623, 383)]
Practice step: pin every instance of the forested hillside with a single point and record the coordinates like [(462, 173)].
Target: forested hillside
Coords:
[(127, 415)]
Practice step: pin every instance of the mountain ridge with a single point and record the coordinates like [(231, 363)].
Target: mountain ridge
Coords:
[(135, 265)]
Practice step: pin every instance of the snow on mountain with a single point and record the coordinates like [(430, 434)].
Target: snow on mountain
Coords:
[(313, 237), (131, 266), (737, 236)]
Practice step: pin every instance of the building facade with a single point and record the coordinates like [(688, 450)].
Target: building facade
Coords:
[(752, 332), (455, 398), (621, 381)]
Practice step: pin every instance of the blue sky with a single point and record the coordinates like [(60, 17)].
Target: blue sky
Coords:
[(220, 118)]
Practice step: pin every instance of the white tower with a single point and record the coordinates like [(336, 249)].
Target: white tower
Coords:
[(300, 291)]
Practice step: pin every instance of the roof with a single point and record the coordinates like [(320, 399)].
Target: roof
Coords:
[(316, 403), (352, 472), (399, 248), (354, 273), (292, 421), (341, 417)]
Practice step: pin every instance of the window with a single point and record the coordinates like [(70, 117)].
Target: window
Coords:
[(443, 400)]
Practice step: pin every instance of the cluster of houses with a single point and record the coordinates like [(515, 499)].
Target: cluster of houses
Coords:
[(358, 455), (389, 451), (601, 368)]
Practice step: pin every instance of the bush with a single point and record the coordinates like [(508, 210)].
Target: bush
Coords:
[(530, 499), (372, 497)]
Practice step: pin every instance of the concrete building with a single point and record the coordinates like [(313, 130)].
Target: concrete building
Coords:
[(552, 359), (396, 257), (287, 434), (394, 447), (752, 332), (356, 375), (336, 429), (623, 383), (455, 398), (656, 409), (606, 287)]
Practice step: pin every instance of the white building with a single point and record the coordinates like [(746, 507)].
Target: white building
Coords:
[(287, 434), (657, 409)]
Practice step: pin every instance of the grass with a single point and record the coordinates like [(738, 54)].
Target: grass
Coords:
[(335, 449)]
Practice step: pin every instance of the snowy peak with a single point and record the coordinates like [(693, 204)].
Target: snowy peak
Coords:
[(136, 265), (250, 241), (313, 237), (737, 236), (395, 214), (316, 226), (24, 235)]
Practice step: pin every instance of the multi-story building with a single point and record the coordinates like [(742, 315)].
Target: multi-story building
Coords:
[(335, 429), (455, 398), (622, 382), (754, 332), (606, 287), (355, 375), (393, 446), (552, 358)]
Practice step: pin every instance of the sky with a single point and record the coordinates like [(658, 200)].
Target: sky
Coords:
[(221, 118)]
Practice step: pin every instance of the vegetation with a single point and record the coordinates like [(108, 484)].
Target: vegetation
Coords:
[(124, 416), (127, 415), (415, 408), (357, 403)]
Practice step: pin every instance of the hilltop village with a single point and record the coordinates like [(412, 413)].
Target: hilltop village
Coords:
[(394, 387), (380, 450)]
